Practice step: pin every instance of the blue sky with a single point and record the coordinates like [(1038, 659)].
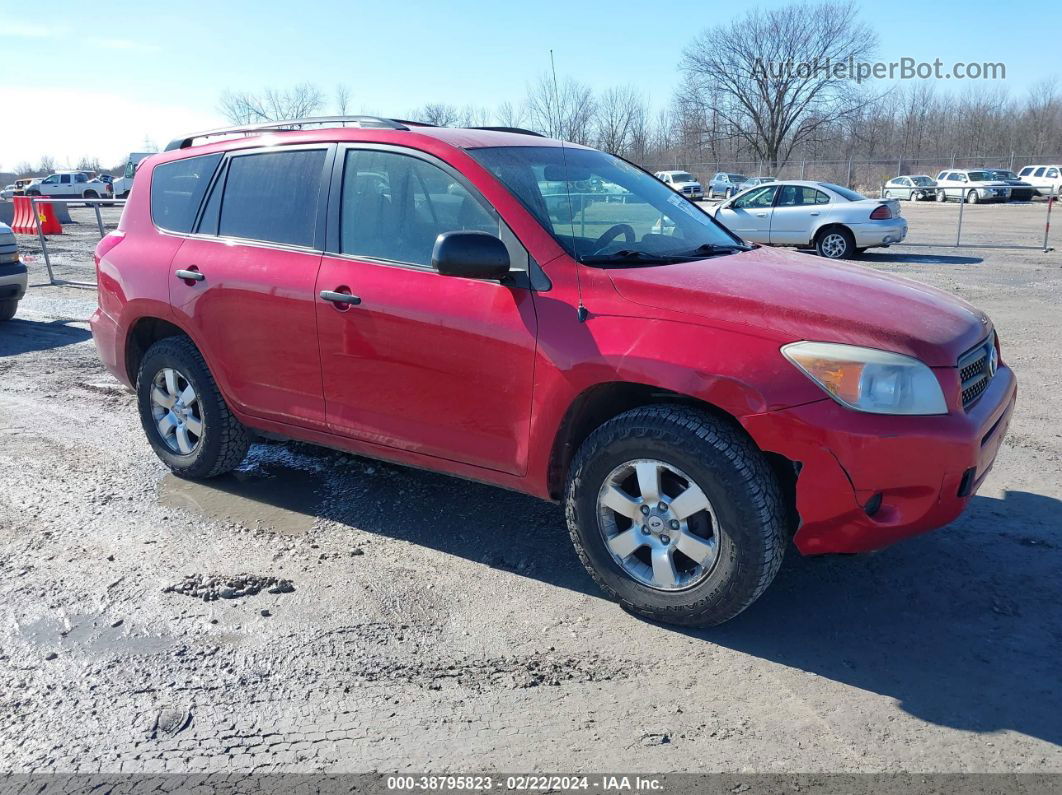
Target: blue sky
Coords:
[(95, 78)]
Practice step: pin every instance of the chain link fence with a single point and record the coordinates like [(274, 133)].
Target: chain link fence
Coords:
[(864, 175)]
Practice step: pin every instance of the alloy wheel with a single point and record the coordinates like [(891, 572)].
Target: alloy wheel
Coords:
[(658, 525), (177, 411), (834, 245)]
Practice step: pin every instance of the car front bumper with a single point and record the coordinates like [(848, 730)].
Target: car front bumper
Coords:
[(13, 281), (925, 469)]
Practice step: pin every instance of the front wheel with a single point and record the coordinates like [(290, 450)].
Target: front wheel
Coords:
[(835, 243), (676, 515), (8, 309), (942, 196), (183, 413)]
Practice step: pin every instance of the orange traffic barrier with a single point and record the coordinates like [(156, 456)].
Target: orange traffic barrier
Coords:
[(24, 222)]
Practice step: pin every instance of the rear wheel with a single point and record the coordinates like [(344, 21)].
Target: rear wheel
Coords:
[(972, 197), (676, 515), (8, 309), (90, 194), (835, 243), (888, 194), (942, 196), (183, 413)]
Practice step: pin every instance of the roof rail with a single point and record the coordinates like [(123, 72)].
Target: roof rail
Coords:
[(520, 130), (375, 122)]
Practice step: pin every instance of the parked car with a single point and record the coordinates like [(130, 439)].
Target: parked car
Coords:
[(839, 223), (70, 184), (1046, 179), (682, 182), (753, 182), (973, 186), (18, 188), (912, 187), (682, 394), (725, 184), (1020, 190), (124, 183), (13, 277)]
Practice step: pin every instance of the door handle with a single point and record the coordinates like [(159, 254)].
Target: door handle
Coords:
[(340, 298), (812, 213), (194, 276), (761, 215)]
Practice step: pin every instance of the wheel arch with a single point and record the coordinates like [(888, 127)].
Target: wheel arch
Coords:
[(144, 333), (828, 226)]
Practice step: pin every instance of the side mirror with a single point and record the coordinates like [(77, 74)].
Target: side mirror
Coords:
[(474, 255)]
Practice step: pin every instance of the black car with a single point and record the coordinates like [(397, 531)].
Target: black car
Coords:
[(1020, 191)]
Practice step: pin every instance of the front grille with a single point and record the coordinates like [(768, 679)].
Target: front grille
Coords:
[(976, 371)]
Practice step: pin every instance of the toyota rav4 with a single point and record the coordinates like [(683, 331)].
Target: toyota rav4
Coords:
[(448, 299)]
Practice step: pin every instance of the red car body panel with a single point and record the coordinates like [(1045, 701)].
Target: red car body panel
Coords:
[(476, 378)]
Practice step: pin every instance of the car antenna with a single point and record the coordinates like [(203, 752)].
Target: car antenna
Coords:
[(581, 311)]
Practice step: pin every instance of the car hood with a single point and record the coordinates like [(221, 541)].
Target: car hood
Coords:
[(800, 296)]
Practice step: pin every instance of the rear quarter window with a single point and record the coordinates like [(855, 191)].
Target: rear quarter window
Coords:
[(177, 188)]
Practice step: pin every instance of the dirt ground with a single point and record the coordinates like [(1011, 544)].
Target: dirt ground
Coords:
[(436, 624)]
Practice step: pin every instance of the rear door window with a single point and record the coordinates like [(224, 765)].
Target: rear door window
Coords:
[(177, 188), (273, 196)]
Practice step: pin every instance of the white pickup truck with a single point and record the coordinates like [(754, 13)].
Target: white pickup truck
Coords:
[(71, 185), (124, 183)]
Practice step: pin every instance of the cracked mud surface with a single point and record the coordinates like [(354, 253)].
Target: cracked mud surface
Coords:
[(439, 624)]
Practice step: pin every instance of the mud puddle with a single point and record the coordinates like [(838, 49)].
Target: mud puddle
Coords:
[(281, 499)]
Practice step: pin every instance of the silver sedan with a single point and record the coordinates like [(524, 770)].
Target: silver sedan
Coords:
[(838, 222)]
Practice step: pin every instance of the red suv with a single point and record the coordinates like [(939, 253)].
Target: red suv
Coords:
[(542, 316)]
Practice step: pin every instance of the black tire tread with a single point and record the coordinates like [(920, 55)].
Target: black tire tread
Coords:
[(664, 422), (8, 309), (234, 437)]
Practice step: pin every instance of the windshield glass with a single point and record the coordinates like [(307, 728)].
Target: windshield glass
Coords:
[(737, 177), (923, 180), (682, 176), (641, 221), (1002, 174), (851, 195)]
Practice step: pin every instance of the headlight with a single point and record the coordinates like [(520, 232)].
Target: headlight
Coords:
[(6, 259), (869, 380)]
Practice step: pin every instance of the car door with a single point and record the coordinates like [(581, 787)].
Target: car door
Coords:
[(437, 365), (749, 216), (797, 211), (243, 284)]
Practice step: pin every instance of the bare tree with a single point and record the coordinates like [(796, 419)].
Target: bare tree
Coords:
[(88, 164), (47, 165), (617, 112), (272, 104), (510, 115), (562, 111), (342, 99), (474, 116), (24, 169), (437, 113), (761, 74)]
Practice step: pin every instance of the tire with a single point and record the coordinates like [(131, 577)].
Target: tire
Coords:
[(745, 518), (972, 197), (90, 194), (888, 194), (33, 193), (8, 309), (942, 196), (221, 442), (835, 242)]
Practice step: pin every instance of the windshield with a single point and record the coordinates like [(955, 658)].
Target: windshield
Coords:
[(923, 180), (737, 177), (682, 176), (851, 195), (979, 176), (642, 221), (1003, 174)]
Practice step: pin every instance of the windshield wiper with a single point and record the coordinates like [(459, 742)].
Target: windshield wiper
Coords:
[(631, 257), (715, 248)]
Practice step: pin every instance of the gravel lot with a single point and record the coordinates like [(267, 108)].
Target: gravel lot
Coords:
[(434, 624)]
